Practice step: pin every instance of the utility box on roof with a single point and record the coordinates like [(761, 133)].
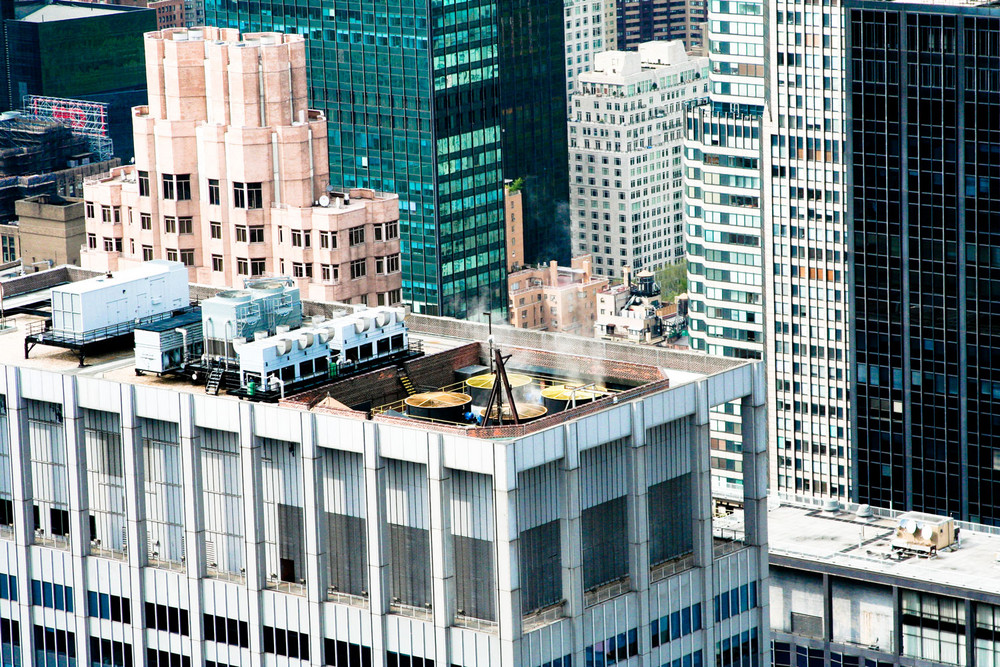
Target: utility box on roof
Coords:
[(114, 304)]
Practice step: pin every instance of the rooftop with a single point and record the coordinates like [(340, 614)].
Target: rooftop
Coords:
[(624, 370), (66, 11), (804, 535)]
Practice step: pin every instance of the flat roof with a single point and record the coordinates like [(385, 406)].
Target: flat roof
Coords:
[(59, 11), (806, 536)]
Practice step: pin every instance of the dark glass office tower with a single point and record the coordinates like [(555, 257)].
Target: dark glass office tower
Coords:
[(414, 96), (924, 91)]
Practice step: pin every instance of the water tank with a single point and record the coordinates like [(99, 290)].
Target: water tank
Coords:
[(445, 406), (559, 397), (481, 386), (526, 412)]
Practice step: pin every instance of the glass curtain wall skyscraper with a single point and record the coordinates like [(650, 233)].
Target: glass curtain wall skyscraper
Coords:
[(925, 109), (417, 105)]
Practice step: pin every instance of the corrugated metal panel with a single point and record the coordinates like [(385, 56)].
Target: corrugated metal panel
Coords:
[(407, 512), (164, 489), (282, 472), (6, 474), (222, 485), (604, 542), (47, 445), (668, 448), (282, 490), (603, 473), (671, 519), (472, 505), (105, 477), (406, 494), (538, 496), (472, 526), (343, 482)]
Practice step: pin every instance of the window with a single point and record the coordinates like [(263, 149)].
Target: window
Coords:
[(117, 210), (217, 263), (143, 183), (227, 631), (147, 253), (242, 266), (89, 209), (384, 265), (168, 619), (329, 272), (109, 244), (145, 221), (248, 195), (109, 607), (357, 235), (359, 269), (390, 298), (105, 214), (213, 192), (168, 186), (92, 241), (215, 230), (328, 240), (297, 238), (241, 234), (184, 225), (187, 257), (286, 642), (298, 269), (53, 596), (257, 267), (172, 255), (256, 235), (177, 187), (170, 225)]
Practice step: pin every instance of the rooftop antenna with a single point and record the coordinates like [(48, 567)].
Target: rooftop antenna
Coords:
[(501, 386)]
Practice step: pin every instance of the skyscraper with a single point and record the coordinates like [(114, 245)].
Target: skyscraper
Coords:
[(428, 101), (925, 109), (626, 137), (641, 21), (805, 249), (722, 178)]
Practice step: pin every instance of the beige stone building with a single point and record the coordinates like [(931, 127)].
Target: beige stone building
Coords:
[(50, 230), (555, 298), (231, 176), (513, 209)]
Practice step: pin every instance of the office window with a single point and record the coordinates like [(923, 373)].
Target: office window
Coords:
[(170, 225), (217, 263), (241, 233), (257, 267), (296, 238), (248, 195), (215, 229), (143, 183), (147, 253), (328, 240), (89, 206), (109, 244), (91, 241), (105, 214), (329, 272), (256, 235), (171, 255), (145, 221), (213, 192), (359, 269), (168, 186), (184, 225), (242, 266), (187, 257)]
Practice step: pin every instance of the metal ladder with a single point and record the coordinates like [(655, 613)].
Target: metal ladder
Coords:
[(214, 380), (407, 385)]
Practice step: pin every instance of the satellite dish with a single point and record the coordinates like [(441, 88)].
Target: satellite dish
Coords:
[(908, 525), (324, 201)]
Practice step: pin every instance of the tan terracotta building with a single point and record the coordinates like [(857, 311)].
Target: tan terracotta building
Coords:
[(555, 298), (513, 209), (231, 176), (50, 230)]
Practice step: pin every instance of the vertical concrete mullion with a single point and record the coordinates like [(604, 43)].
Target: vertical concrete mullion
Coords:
[(135, 512), (21, 493), (253, 512), (701, 473), (507, 557), (79, 526), (315, 529), (378, 561), (570, 529), (194, 521), (442, 554), (753, 411), (639, 519)]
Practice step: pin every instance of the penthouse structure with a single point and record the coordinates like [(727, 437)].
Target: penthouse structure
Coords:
[(555, 298), (231, 177), (359, 524)]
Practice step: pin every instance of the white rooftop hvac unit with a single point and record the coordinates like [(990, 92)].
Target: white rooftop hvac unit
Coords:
[(115, 303), (927, 533)]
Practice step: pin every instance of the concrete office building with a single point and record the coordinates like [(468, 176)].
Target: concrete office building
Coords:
[(208, 530), (641, 21), (50, 231), (924, 257), (626, 142), (805, 250), (440, 104), (841, 595), (722, 213), (231, 177)]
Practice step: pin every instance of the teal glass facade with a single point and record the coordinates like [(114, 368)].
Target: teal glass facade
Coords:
[(412, 92)]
